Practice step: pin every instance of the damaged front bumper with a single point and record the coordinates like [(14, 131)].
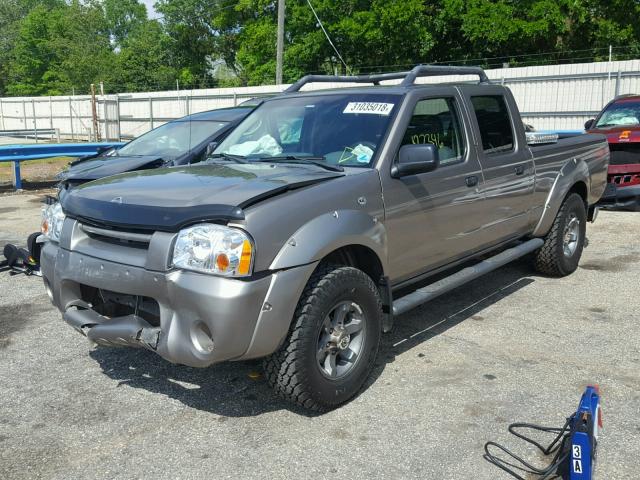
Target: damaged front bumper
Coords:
[(199, 319), (128, 330)]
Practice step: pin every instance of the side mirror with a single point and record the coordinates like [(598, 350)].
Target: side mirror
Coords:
[(589, 124), (210, 148), (415, 159)]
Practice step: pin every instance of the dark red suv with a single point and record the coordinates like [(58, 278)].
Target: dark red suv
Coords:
[(620, 122)]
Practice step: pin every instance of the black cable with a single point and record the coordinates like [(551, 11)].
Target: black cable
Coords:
[(557, 446), (546, 450)]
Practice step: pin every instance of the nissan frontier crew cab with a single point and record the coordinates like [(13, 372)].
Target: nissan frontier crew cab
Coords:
[(294, 239)]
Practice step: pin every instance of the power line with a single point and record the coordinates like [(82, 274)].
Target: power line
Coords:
[(522, 63), (506, 56), (328, 38)]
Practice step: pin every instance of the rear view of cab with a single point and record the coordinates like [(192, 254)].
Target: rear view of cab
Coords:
[(620, 122)]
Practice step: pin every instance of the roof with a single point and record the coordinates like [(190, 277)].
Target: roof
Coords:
[(407, 81), (371, 89), (407, 78), (630, 97), (387, 89)]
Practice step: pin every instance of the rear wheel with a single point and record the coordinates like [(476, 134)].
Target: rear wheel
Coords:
[(333, 341), (562, 249)]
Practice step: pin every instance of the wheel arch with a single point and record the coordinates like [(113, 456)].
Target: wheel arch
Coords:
[(573, 177), (580, 187), (358, 256)]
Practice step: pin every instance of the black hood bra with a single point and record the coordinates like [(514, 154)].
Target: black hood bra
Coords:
[(168, 199)]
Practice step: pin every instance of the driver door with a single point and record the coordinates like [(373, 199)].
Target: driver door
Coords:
[(434, 218)]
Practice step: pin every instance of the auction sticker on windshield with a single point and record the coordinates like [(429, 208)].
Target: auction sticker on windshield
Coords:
[(374, 108)]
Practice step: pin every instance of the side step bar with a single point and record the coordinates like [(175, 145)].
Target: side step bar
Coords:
[(465, 275)]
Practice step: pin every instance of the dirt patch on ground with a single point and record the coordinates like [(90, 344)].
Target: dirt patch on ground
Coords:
[(612, 264), (17, 316), (34, 171)]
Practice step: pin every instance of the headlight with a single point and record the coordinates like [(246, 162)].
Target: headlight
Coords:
[(52, 220), (214, 249)]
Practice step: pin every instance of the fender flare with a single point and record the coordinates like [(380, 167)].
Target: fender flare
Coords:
[(329, 232), (297, 260), (572, 172)]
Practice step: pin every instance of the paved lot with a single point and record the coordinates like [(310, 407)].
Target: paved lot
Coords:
[(513, 346)]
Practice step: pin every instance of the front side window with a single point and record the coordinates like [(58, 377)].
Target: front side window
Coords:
[(340, 129), (625, 112), (436, 121), (171, 140), (494, 123)]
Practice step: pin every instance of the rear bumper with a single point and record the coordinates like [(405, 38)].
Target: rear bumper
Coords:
[(203, 319)]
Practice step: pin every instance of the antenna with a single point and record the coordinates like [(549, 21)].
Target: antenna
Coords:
[(327, 35)]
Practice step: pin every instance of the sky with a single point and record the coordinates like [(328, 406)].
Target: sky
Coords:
[(150, 10)]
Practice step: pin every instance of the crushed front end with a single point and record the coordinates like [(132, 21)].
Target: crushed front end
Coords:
[(119, 288)]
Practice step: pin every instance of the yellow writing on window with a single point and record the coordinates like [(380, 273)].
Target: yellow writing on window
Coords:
[(422, 138)]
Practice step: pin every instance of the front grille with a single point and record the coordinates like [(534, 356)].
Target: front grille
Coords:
[(625, 180), (118, 237)]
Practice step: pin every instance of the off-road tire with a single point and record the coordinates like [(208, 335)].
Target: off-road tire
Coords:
[(292, 371), (550, 259)]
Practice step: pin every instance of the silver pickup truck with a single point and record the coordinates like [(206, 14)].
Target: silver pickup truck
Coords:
[(294, 240)]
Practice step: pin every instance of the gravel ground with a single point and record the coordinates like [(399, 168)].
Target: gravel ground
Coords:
[(513, 346)]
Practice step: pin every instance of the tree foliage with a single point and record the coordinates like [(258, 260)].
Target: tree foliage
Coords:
[(54, 47), (57, 46)]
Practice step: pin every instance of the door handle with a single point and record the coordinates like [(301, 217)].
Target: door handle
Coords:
[(471, 181), (519, 169)]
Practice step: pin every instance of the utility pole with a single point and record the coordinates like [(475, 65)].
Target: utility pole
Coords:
[(94, 113), (280, 42)]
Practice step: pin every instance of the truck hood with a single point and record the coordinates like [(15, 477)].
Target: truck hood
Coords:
[(100, 167), (170, 198)]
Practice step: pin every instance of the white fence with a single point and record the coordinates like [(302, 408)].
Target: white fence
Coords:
[(559, 97)]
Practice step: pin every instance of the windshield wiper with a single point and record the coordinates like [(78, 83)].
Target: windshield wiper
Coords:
[(300, 160), (229, 156)]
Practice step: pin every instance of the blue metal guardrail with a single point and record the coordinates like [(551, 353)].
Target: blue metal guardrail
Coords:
[(21, 153)]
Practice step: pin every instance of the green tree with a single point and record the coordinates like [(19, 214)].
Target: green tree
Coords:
[(144, 61), (201, 30), (540, 30), (52, 46), (10, 14), (60, 48), (242, 34), (123, 18)]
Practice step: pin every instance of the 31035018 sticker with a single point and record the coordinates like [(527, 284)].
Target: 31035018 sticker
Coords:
[(375, 108)]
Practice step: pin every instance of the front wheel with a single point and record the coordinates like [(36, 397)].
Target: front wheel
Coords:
[(562, 249), (333, 341)]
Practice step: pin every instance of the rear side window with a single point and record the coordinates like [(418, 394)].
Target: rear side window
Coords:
[(494, 122), (435, 120)]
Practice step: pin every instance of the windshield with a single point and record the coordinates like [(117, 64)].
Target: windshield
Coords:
[(620, 113), (171, 140), (339, 129)]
